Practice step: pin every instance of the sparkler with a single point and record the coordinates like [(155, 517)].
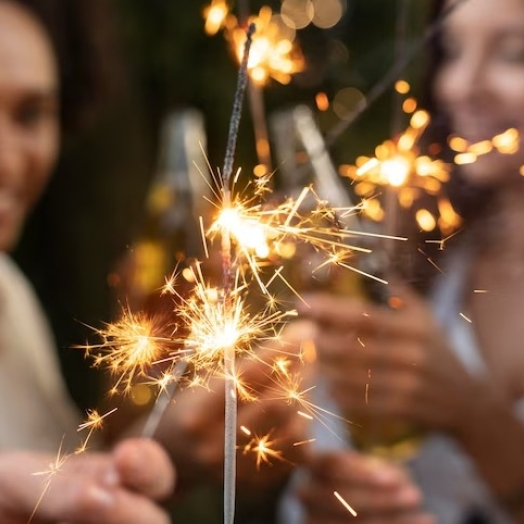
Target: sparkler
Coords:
[(230, 422), (399, 164), (274, 53)]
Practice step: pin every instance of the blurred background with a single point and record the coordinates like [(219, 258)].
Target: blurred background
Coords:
[(154, 57)]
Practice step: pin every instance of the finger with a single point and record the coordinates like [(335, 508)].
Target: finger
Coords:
[(93, 505), (357, 468), (280, 423), (144, 467), (411, 518), (345, 313), (289, 348), (194, 411), (373, 350)]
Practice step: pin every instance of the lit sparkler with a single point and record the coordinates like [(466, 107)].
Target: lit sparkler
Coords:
[(129, 347), (215, 322), (344, 502), (263, 232), (399, 164), (274, 53)]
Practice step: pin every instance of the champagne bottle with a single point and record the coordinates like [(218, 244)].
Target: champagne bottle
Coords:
[(175, 200), (295, 131)]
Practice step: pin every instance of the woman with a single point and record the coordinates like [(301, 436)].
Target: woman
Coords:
[(35, 412), (455, 369)]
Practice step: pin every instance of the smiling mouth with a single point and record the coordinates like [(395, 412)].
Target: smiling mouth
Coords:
[(8, 205)]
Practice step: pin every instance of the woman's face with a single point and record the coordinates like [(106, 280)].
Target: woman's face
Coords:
[(480, 85), (29, 130)]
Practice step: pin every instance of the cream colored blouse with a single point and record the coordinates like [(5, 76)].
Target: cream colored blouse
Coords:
[(36, 412)]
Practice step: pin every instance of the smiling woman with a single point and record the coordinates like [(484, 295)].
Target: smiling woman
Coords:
[(451, 363), (34, 407), (29, 135), (480, 79), (97, 185)]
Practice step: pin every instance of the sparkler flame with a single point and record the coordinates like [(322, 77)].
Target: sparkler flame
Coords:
[(398, 164), (274, 52), (128, 348)]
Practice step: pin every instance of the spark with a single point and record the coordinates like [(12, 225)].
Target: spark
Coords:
[(345, 503), (289, 389), (54, 469), (304, 415), (245, 430), (211, 325), (129, 347), (262, 448), (467, 319), (442, 242), (94, 422), (430, 260), (264, 233)]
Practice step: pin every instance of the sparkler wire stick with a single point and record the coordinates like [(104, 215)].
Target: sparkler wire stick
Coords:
[(230, 419)]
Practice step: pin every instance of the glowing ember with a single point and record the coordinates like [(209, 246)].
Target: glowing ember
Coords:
[(215, 16), (274, 54)]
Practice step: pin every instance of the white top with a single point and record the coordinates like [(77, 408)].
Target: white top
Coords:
[(446, 475), (35, 409)]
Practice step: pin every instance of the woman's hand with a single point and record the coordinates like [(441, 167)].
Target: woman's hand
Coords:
[(103, 488), (390, 363), (193, 429), (377, 491)]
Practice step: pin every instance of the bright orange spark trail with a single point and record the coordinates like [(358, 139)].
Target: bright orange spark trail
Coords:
[(344, 503)]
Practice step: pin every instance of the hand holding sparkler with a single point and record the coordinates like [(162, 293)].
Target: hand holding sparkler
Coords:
[(193, 427), (114, 488), (346, 483), (391, 364)]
